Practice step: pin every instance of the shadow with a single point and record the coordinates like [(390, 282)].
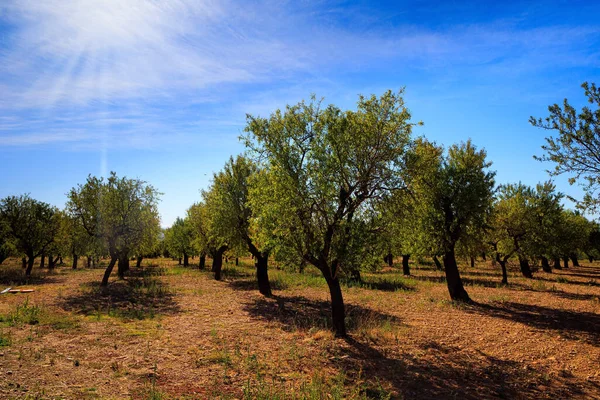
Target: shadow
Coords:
[(442, 372), (252, 284), (141, 295), (383, 284), (15, 276), (575, 325), (567, 281), (576, 296), (300, 313)]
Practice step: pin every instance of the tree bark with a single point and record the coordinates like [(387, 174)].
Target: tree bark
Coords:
[(483, 255), (43, 261), (472, 262), (217, 263), (389, 259), (30, 260), (262, 275), (546, 265), (338, 312), (23, 262), (556, 263), (179, 261), (455, 285), (186, 260), (138, 262), (525, 270), (503, 266), (202, 262), (405, 266), (438, 264), (113, 261), (75, 259), (237, 261), (51, 261), (89, 262), (123, 265), (566, 261), (574, 259)]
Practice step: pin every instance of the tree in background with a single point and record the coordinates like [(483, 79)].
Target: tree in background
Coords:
[(7, 246), (196, 215), (32, 224), (453, 195), (233, 215), (576, 149), (325, 167), (121, 212), (179, 240)]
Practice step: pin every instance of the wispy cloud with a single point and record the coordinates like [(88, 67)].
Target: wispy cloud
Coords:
[(72, 70)]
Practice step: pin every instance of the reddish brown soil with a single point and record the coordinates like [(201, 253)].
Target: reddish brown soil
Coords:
[(193, 337)]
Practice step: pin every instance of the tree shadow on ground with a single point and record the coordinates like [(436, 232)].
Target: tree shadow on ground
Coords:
[(295, 313), (15, 276), (437, 371), (141, 295), (383, 284), (574, 325), (567, 281)]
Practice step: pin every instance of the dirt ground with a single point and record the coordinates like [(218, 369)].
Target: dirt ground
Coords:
[(172, 332)]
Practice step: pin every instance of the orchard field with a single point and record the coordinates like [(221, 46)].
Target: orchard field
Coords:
[(170, 332)]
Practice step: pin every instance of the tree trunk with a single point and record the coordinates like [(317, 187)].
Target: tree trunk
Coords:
[(525, 270), (484, 256), (123, 265), (186, 260), (60, 260), (405, 266), (51, 261), (546, 265), (574, 259), (202, 262), (262, 275), (217, 263), (43, 261), (504, 272), (75, 259), (237, 261), (455, 286), (89, 261), (23, 262), (438, 264), (389, 259), (179, 261), (566, 261), (338, 313), (138, 262), (472, 262), (30, 260), (556, 263), (113, 261)]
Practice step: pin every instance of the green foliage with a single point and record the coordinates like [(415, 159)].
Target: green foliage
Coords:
[(326, 168), (120, 212), (30, 224), (576, 149), (179, 238)]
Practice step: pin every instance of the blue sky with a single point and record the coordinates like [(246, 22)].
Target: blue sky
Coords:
[(159, 90)]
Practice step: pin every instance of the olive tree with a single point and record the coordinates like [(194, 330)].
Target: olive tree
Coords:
[(576, 148), (326, 166), (233, 215), (121, 212), (453, 194), (32, 224)]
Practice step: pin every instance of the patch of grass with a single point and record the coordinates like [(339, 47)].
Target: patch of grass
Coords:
[(320, 386), (562, 279), (5, 339), (24, 313)]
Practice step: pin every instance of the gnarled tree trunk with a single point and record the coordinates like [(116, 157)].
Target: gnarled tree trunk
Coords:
[(75, 260), (186, 260), (455, 285), (202, 262), (574, 259), (217, 262), (405, 266), (138, 261), (546, 265), (525, 269), (472, 262), (113, 261), (262, 275), (438, 264), (43, 261), (123, 265), (338, 311), (566, 261), (556, 264), (30, 260), (502, 263)]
